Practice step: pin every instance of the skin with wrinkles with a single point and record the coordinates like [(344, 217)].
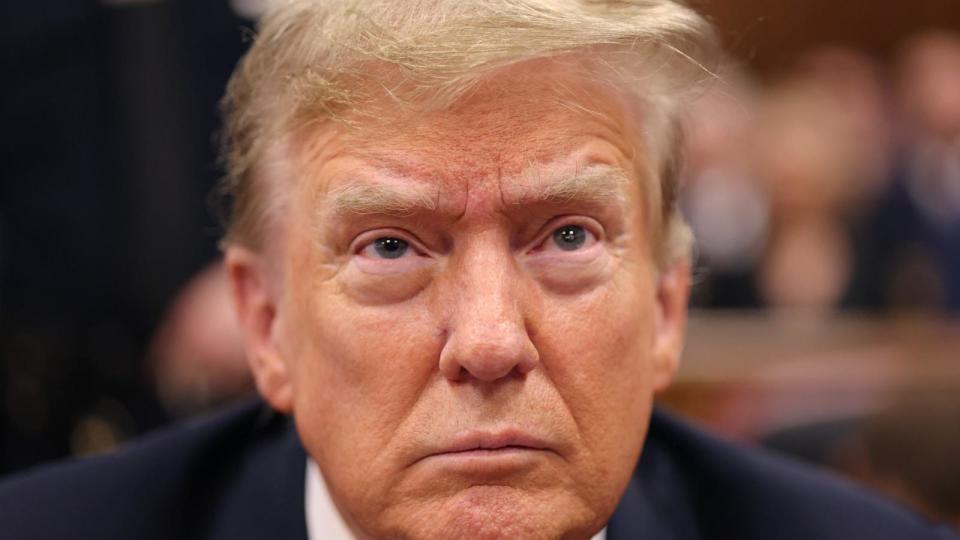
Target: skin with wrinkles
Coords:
[(483, 325)]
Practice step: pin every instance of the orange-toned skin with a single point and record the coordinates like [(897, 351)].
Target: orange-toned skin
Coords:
[(483, 328)]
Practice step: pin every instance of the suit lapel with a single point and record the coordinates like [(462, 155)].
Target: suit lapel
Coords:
[(656, 505), (267, 498)]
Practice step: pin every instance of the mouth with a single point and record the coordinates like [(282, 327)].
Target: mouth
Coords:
[(481, 450)]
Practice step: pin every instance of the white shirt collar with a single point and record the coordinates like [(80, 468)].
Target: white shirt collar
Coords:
[(324, 521)]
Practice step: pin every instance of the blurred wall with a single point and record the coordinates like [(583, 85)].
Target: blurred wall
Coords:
[(108, 112), (770, 35)]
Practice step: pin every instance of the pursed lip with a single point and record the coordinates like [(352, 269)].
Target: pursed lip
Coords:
[(479, 443)]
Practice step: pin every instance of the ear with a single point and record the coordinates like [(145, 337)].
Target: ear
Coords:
[(673, 291), (255, 300)]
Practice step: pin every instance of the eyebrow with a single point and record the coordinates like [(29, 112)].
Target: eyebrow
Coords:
[(374, 199), (592, 184)]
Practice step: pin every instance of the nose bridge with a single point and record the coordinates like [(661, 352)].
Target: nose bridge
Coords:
[(485, 281), (487, 336)]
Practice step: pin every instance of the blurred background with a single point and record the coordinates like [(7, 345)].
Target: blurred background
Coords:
[(823, 185)]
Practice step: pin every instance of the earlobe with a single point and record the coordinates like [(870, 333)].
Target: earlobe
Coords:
[(673, 291), (256, 307)]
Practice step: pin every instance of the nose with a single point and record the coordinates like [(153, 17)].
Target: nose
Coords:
[(487, 335)]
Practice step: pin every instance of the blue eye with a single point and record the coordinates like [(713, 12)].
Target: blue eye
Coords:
[(570, 237), (390, 248)]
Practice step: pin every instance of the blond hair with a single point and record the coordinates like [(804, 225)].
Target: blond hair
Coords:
[(315, 61)]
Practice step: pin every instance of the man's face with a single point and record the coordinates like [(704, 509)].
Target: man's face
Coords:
[(464, 317)]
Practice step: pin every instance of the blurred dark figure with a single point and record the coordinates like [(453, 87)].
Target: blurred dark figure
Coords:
[(909, 254), (907, 450), (108, 110), (911, 453)]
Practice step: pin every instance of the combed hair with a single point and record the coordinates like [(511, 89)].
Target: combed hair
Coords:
[(318, 61)]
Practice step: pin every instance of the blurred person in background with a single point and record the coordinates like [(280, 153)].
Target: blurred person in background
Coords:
[(780, 178), (727, 207), (817, 145), (910, 253), (196, 356)]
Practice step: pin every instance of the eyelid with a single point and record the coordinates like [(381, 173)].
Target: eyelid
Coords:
[(590, 225), (368, 237)]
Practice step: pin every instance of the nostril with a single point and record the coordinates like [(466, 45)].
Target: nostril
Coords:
[(525, 367)]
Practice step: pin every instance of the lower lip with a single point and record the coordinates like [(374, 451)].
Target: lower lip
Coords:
[(483, 460)]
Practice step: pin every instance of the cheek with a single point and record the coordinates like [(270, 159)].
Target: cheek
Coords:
[(596, 348), (604, 333), (341, 350), (366, 353), (357, 372)]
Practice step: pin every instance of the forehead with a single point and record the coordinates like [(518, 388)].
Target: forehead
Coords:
[(524, 126)]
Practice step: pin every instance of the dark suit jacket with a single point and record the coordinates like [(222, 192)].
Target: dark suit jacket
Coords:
[(241, 475)]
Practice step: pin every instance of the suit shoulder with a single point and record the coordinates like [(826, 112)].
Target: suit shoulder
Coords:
[(154, 484), (749, 493)]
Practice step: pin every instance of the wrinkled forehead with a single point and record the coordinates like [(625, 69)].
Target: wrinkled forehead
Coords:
[(539, 116)]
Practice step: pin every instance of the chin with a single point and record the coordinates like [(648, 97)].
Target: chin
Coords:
[(494, 512)]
